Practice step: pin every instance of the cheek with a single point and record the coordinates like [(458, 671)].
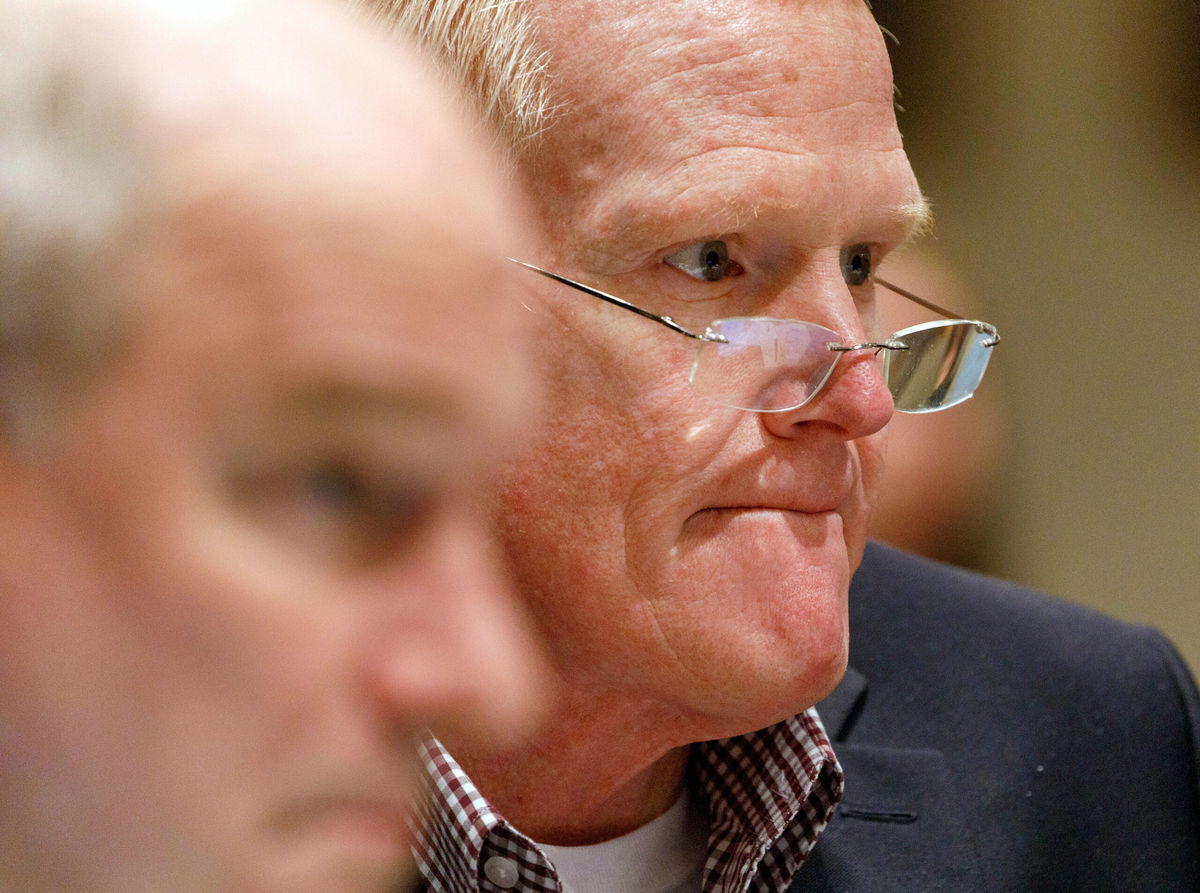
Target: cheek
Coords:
[(619, 431), (563, 487), (591, 391), (190, 595), (598, 481)]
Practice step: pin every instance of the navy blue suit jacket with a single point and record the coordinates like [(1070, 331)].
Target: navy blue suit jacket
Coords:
[(997, 739)]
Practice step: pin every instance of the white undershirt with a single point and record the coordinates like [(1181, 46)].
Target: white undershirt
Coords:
[(664, 856)]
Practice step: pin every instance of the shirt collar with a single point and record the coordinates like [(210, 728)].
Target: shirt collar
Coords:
[(769, 794)]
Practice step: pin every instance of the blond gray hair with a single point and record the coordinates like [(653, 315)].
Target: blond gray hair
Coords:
[(489, 51)]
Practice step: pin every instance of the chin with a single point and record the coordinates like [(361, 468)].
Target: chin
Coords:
[(776, 683)]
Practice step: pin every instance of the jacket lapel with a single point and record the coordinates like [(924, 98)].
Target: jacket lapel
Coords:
[(899, 825)]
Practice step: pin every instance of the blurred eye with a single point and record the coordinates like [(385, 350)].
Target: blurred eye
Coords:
[(362, 512), (335, 487), (334, 510), (856, 264), (705, 260)]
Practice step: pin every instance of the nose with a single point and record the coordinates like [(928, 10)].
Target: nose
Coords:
[(855, 400), (454, 650)]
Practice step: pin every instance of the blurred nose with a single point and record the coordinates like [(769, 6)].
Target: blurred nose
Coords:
[(455, 650), (855, 400)]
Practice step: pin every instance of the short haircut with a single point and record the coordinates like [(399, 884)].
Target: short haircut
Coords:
[(489, 50)]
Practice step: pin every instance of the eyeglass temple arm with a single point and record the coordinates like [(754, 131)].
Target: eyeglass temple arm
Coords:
[(993, 335), (928, 305), (625, 305), (988, 328)]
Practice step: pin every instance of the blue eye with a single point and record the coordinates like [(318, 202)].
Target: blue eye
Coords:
[(857, 263), (705, 260)]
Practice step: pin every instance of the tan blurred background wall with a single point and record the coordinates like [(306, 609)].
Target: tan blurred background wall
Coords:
[(1060, 145)]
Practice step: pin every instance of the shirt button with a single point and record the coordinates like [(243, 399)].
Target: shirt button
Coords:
[(502, 872)]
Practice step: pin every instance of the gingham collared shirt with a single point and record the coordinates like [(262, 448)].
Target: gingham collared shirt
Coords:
[(768, 794)]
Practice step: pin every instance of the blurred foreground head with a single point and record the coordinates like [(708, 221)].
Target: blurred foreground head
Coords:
[(257, 349)]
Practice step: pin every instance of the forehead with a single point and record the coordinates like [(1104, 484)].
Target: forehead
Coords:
[(650, 48), (732, 109), (377, 276), (328, 174)]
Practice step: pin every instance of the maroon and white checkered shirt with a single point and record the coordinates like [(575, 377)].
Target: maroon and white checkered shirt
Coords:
[(769, 794)]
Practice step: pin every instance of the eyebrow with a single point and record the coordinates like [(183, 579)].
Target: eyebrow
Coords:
[(642, 223), (916, 219), (369, 401), (387, 424)]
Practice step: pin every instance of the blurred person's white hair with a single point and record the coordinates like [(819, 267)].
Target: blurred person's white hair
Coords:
[(96, 97), (72, 167), (77, 174), (489, 50)]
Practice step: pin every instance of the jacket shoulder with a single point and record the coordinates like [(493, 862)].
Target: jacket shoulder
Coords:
[(903, 607), (1072, 735)]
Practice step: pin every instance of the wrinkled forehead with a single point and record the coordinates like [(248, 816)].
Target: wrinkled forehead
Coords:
[(653, 59), (825, 52), (652, 89)]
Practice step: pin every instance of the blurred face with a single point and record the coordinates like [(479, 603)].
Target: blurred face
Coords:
[(248, 566), (715, 160)]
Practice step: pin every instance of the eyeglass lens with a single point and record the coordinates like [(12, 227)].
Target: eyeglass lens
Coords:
[(942, 367), (766, 365)]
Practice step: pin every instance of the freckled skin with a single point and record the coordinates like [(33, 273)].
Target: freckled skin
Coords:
[(674, 615)]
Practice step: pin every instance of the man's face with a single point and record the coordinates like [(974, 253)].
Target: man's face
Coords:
[(246, 566), (677, 552)]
